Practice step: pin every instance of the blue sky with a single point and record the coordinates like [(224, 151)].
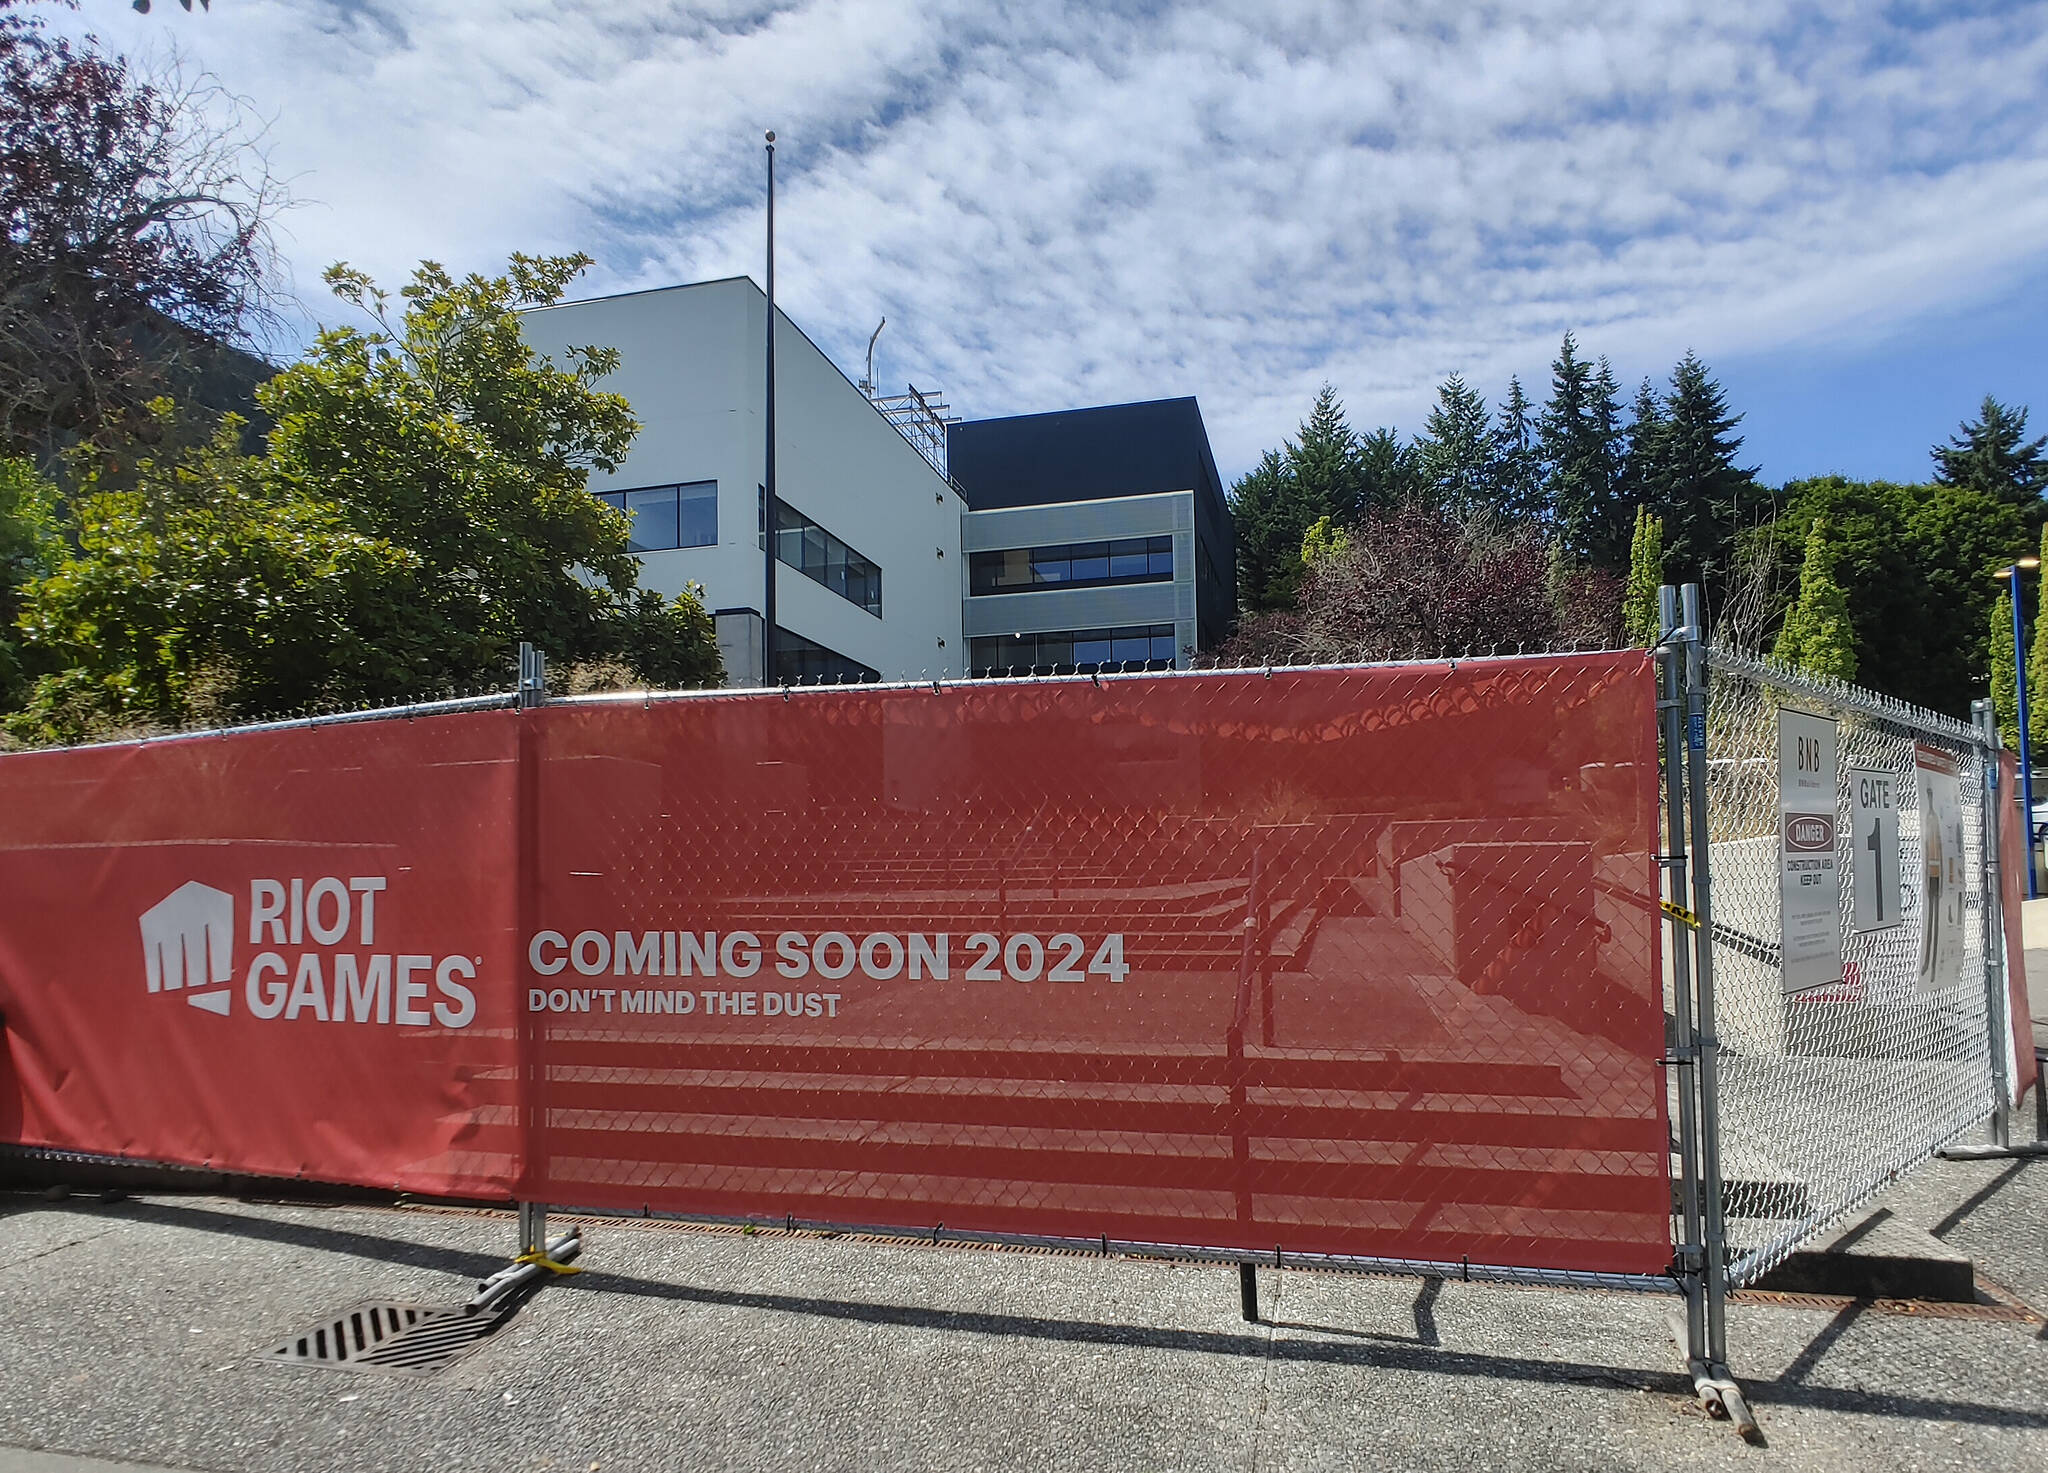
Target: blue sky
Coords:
[(1842, 206)]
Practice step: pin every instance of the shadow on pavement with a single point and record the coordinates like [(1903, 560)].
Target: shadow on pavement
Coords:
[(1977, 1199), (1396, 1353)]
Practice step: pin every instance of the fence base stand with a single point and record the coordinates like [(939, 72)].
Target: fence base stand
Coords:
[(1718, 1392), (524, 1270), (2031, 1149), (1248, 1292)]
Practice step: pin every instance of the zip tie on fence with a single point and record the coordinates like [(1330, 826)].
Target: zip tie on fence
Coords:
[(1679, 913), (539, 1256)]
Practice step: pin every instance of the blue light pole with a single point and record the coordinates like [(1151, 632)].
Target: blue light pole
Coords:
[(2019, 668)]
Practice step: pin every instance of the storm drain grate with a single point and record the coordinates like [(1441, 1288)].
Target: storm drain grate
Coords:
[(405, 1339)]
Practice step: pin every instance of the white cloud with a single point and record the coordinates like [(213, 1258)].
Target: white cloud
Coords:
[(1061, 204)]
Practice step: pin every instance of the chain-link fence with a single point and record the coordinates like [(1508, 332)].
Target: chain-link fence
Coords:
[(1854, 1036), (1340, 964), (1312, 963)]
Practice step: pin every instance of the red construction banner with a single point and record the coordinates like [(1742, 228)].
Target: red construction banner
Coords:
[(285, 953), (1346, 961), (2012, 887)]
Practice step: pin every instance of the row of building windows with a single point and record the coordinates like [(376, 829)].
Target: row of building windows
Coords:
[(686, 515), (1071, 565), (1071, 651), (667, 516), (800, 661), (802, 544)]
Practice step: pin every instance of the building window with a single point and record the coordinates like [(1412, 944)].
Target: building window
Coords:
[(1074, 651), (664, 517), (1071, 565), (802, 544), (800, 661)]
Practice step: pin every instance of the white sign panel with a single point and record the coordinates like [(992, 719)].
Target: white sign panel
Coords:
[(1945, 872), (1809, 874), (1874, 890)]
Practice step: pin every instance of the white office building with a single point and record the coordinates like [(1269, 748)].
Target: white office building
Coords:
[(1085, 538)]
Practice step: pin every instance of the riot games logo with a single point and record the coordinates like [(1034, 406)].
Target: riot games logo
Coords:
[(188, 943), (314, 947)]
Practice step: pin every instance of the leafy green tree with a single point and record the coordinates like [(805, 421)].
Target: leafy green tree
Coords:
[(445, 432), (420, 509), (1816, 635), (1704, 497), (1324, 540), (1913, 560), (2037, 660), (2004, 683), (211, 590), (31, 544), (1455, 453), (1641, 616), (1518, 472), (1953, 539), (1991, 454)]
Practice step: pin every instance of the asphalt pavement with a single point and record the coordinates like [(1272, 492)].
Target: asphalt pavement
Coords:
[(135, 1333)]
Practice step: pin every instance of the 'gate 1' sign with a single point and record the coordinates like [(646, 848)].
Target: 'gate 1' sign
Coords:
[(1809, 878), (1874, 890)]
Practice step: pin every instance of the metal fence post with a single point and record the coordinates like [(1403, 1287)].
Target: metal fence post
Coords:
[(1684, 1051), (1712, 1207), (533, 676), (1995, 1022), (533, 693)]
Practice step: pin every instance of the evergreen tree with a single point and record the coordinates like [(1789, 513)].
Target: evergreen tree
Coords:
[(1268, 553), (1389, 473), (1323, 465), (1643, 448), (1578, 437), (1993, 455), (1816, 635), (1454, 457), (1614, 513), (1641, 617), (1703, 496), (2004, 684), (1518, 476)]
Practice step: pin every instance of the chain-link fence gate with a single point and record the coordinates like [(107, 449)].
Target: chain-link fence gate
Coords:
[(1841, 1013)]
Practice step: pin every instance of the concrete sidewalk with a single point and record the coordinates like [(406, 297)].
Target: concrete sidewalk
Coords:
[(132, 1333)]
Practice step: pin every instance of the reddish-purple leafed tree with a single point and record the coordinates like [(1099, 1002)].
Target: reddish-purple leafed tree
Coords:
[(1421, 582), (136, 235)]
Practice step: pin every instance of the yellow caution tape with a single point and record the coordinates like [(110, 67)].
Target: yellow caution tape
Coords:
[(1680, 914), (541, 1258)]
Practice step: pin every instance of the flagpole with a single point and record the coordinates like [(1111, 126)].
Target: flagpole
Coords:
[(768, 502)]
